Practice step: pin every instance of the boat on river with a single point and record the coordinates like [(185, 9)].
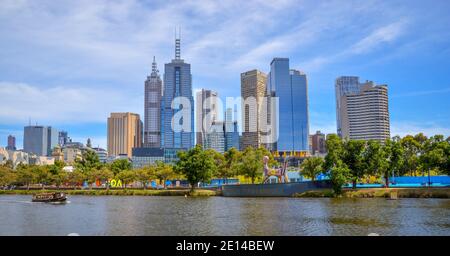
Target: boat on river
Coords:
[(49, 197)]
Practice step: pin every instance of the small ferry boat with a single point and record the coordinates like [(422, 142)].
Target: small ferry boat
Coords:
[(49, 197)]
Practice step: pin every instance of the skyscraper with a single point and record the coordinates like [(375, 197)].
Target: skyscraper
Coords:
[(290, 86), (52, 139), (63, 138), (178, 104), (206, 113), (152, 111), (253, 91), (11, 143), (362, 111), (215, 137), (40, 140), (344, 85), (124, 133), (231, 130), (318, 143)]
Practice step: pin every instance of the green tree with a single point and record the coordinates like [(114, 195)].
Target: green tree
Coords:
[(228, 167), (120, 165), (411, 150), (335, 150), (9, 164), (251, 163), (395, 155), (88, 165), (376, 160), (311, 167), (60, 178), (339, 175), (57, 175), (446, 164), (219, 161), (196, 165), (25, 175), (126, 177), (76, 177), (7, 176), (42, 174), (353, 158), (103, 175), (433, 154), (143, 175), (163, 172), (88, 162)]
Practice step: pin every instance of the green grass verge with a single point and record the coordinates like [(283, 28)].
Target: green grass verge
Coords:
[(116, 192)]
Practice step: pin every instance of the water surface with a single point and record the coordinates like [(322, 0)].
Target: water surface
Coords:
[(135, 215)]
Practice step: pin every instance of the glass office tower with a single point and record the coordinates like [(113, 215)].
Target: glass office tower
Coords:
[(291, 88), (177, 83)]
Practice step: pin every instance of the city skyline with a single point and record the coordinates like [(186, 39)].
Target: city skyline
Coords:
[(393, 47)]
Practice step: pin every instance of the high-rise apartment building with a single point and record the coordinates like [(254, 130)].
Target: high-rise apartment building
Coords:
[(178, 104), (206, 113), (291, 125), (152, 111), (124, 133), (253, 92), (11, 143), (40, 140), (362, 111)]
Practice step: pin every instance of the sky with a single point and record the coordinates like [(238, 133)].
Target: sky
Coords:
[(69, 64)]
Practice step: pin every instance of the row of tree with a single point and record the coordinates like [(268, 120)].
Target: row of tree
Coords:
[(195, 165), (346, 161), (352, 160)]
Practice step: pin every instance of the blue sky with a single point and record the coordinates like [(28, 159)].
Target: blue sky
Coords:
[(70, 63)]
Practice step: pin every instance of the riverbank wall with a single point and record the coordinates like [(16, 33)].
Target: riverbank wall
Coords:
[(274, 189)]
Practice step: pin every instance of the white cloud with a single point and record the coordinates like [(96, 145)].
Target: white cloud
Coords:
[(62, 104), (420, 93), (382, 35), (376, 38), (101, 50), (412, 128)]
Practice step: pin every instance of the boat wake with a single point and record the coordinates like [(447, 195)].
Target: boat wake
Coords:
[(57, 203), (15, 201)]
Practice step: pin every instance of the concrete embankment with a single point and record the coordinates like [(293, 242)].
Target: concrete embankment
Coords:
[(274, 189)]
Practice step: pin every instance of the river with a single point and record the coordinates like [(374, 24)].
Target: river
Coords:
[(135, 215)]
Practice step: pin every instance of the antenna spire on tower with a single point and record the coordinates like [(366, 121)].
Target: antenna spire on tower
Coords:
[(177, 44), (154, 67)]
